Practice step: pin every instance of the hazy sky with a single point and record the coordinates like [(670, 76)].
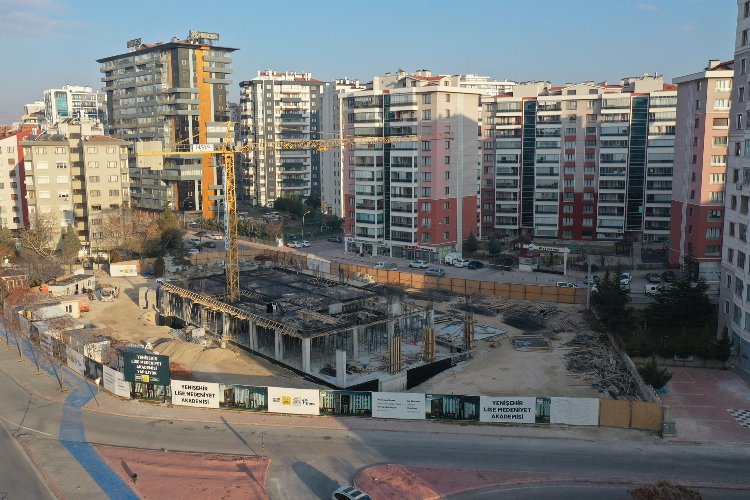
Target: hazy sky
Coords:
[(49, 43)]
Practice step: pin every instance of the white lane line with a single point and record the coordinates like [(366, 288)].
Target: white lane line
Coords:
[(25, 428)]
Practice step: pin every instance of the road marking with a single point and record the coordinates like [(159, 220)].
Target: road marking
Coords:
[(24, 428)]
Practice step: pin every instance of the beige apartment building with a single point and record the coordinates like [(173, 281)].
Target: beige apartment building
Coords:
[(77, 174)]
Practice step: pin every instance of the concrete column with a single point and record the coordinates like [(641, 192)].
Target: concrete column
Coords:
[(226, 326), (355, 341), (341, 368), (430, 318), (391, 327), (185, 310), (252, 334), (306, 343), (278, 346)]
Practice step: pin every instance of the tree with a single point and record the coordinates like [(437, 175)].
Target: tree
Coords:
[(42, 235), (471, 244), (123, 230), (159, 266), (7, 243), (291, 204), (70, 245), (611, 302), (313, 202), (494, 247), (654, 375)]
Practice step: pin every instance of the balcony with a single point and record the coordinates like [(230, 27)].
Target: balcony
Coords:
[(506, 184)]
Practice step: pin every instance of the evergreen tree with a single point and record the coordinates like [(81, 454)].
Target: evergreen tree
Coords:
[(7, 243), (471, 244), (70, 245)]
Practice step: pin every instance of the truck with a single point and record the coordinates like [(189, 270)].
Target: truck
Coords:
[(451, 256)]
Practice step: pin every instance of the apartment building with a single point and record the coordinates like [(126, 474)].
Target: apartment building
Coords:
[(414, 199), (278, 106), (701, 138), (13, 208), (73, 101), (164, 96), (331, 165), (76, 174), (485, 84), (586, 161), (734, 289)]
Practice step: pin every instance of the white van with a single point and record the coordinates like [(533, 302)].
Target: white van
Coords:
[(650, 289), (451, 256), (389, 266)]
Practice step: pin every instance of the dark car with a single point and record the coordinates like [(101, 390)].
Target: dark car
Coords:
[(336, 239), (200, 233), (209, 244), (668, 276), (653, 278), (474, 264)]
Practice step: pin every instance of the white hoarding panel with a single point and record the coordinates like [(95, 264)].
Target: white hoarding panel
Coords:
[(198, 394), (114, 382), (45, 342), (109, 379), (574, 411), (517, 410), (300, 401), (75, 360), (401, 405)]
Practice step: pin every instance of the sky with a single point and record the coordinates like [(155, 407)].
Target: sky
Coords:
[(50, 43)]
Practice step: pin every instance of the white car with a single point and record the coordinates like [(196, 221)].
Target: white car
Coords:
[(419, 264), (216, 236), (294, 244), (193, 251), (305, 243), (461, 262), (625, 279), (349, 493), (565, 284)]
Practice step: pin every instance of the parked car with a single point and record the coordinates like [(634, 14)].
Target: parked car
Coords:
[(460, 262), (294, 244), (419, 264), (668, 276), (590, 280), (451, 256), (653, 278), (336, 239), (565, 284), (625, 279), (216, 236), (349, 493), (650, 289), (209, 244), (193, 251), (194, 241), (200, 233), (391, 266), (474, 264), (435, 271), (305, 243)]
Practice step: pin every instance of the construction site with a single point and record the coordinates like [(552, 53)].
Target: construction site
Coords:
[(330, 331)]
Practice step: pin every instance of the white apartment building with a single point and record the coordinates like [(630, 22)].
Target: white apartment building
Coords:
[(73, 101), (278, 106), (586, 161), (734, 290)]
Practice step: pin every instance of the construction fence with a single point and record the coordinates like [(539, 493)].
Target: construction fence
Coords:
[(458, 286)]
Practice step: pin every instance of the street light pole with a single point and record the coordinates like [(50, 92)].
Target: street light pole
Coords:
[(303, 224)]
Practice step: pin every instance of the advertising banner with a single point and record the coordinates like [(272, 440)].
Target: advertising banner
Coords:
[(197, 394), (346, 403), (114, 382), (300, 401), (402, 405), (451, 407), (574, 411), (93, 370), (517, 410), (108, 379), (75, 360), (45, 342), (243, 397), (146, 368)]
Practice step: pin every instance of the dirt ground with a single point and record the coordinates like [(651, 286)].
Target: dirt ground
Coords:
[(498, 369), (128, 322)]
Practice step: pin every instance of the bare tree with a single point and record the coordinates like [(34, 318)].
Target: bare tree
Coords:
[(42, 235), (124, 229)]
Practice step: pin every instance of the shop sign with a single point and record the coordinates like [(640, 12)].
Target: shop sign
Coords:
[(146, 368), (197, 394), (300, 401), (518, 410)]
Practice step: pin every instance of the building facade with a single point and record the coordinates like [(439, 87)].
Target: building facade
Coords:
[(278, 106), (734, 289), (331, 165), (13, 206), (73, 101), (583, 161), (414, 199), (76, 174), (700, 164), (167, 96)]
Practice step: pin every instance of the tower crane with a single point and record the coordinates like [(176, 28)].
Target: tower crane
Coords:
[(227, 150)]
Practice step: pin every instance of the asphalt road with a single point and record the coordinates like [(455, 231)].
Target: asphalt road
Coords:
[(18, 476)]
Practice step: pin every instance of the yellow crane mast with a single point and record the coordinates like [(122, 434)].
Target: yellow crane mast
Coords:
[(227, 151)]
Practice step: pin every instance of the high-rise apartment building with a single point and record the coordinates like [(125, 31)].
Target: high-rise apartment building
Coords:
[(73, 101), (76, 174), (582, 161), (171, 95), (700, 164), (413, 199), (734, 288), (13, 207), (278, 106), (331, 165)]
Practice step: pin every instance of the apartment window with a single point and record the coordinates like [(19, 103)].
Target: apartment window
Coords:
[(721, 141), (447, 220), (427, 114), (446, 205), (746, 9), (588, 221), (739, 121), (111, 164), (426, 98), (729, 281), (426, 176), (717, 178), (42, 165), (93, 164), (737, 314), (61, 164), (93, 178), (426, 237), (571, 105), (567, 209), (447, 190), (447, 98), (741, 94), (570, 131), (426, 161), (426, 192), (426, 206), (446, 235), (743, 66), (697, 104), (718, 160), (447, 160), (741, 259), (447, 113), (111, 150), (448, 145), (567, 221), (95, 193), (730, 255), (41, 151), (713, 233), (91, 150), (63, 194), (720, 123), (742, 233), (62, 179), (42, 179), (447, 175), (426, 222), (721, 104), (114, 178), (744, 37), (732, 227), (114, 192), (43, 194), (690, 229), (698, 85)]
